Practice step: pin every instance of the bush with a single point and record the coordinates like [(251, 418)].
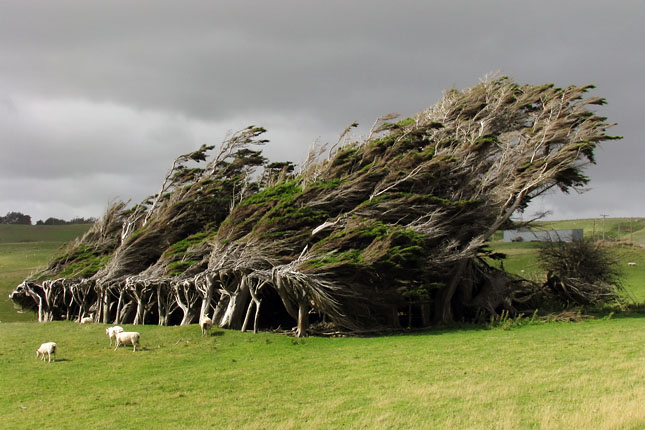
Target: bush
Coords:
[(581, 272)]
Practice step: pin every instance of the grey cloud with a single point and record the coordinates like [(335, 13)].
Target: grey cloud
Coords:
[(136, 84)]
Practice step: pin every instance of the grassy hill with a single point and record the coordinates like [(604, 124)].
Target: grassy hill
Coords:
[(24, 249), (622, 229), (587, 375)]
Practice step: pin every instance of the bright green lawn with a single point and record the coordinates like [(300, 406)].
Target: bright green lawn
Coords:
[(588, 375)]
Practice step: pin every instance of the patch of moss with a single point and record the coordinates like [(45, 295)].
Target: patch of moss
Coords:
[(180, 247), (490, 139), (283, 192), (84, 268), (349, 257), (82, 261), (325, 184), (288, 217), (179, 267), (405, 122)]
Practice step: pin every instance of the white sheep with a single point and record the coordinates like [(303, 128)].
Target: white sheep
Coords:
[(128, 338), (48, 348), (112, 331), (87, 320), (205, 323), (631, 264)]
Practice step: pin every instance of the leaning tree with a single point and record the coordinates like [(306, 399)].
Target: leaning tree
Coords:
[(382, 231)]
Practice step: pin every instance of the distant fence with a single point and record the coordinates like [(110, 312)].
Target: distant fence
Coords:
[(543, 235)]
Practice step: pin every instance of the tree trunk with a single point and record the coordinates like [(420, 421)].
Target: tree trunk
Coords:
[(255, 302), (446, 312), (207, 288), (425, 314), (127, 313), (190, 316), (220, 309), (107, 302), (303, 318), (287, 301), (119, 307), (139, 316), (237, 304)]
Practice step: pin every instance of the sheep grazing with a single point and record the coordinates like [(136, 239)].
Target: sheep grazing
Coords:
[(205, 323), (87, 320), (48, 348), (631, 264), (112, 331), (128, 338)]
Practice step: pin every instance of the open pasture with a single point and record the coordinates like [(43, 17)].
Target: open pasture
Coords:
[(540, 376), (23, 250)]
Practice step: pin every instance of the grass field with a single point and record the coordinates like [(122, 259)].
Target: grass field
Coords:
[(23, 250), (587, 375)]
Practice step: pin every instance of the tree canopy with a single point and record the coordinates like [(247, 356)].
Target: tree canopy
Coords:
[(377, 232)]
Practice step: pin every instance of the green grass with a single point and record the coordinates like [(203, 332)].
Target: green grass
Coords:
[(543, 376), (23, 250)]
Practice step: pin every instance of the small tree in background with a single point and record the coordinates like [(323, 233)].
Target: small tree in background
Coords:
[(581, 272), (15, 218)]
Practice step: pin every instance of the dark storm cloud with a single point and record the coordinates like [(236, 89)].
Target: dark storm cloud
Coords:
[(91, 89)]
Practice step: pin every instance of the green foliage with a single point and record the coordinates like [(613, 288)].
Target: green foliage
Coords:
[(287, 217), (180, 248), (282, 192), (178, 267), (406, 122), (394, 251), (81, 260), (325, 185), (84, 266), (349, 257)]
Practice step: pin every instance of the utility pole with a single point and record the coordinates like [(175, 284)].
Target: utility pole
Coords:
[(603, 225)]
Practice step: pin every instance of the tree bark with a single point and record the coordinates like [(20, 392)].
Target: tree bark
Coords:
[(446, 313), (237, 304), (303, 318), (254, 302)]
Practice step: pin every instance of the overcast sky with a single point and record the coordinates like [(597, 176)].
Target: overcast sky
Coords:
[(97, 98)]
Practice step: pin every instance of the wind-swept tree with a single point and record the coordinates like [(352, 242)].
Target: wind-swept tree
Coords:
[(384, 231)]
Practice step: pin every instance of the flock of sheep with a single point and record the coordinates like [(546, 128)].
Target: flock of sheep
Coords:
[(117, 334)]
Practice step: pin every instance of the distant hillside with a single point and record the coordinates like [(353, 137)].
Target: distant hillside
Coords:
[(24, 249), (627, 229), (14, 233)]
